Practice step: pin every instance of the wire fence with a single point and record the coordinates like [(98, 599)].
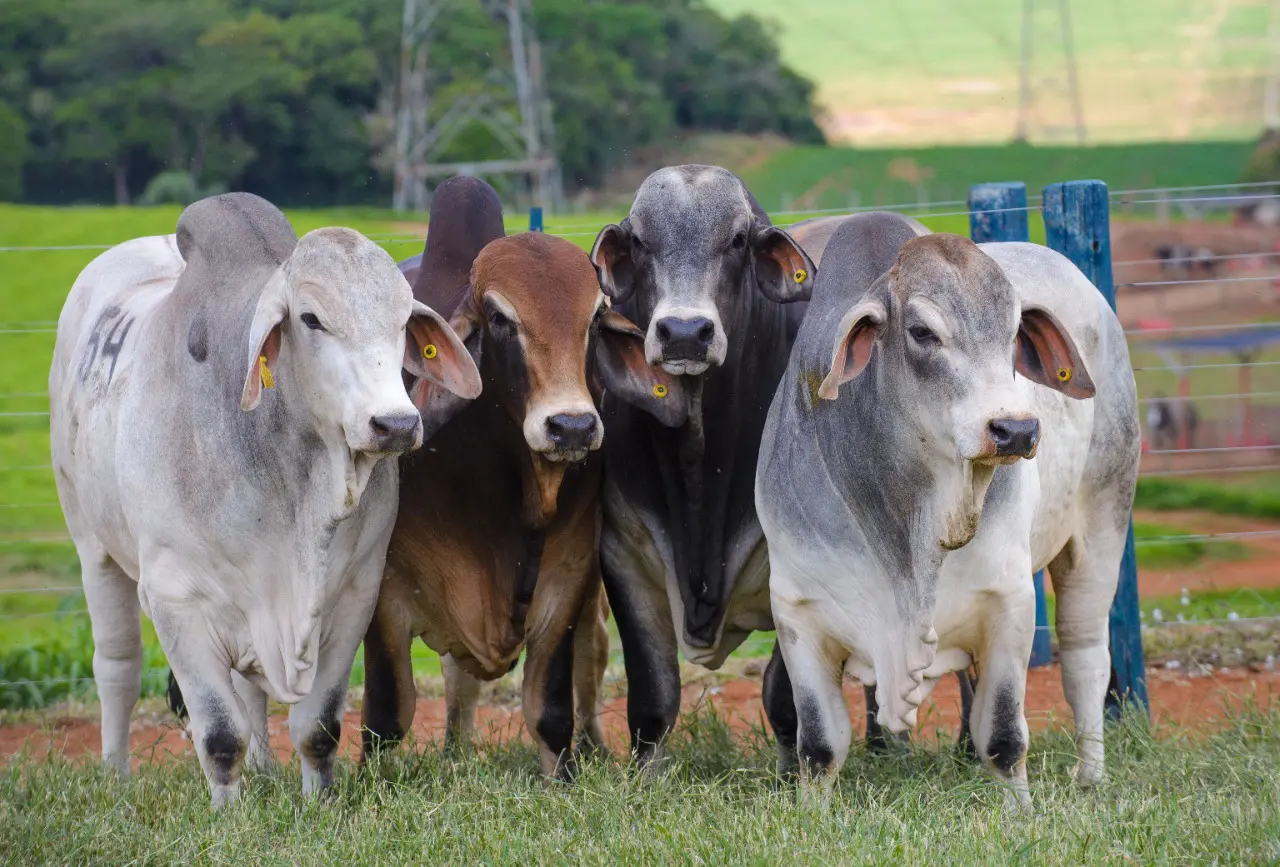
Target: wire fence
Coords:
[(1236, 276)]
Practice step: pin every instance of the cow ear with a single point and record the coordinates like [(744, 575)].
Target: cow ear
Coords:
[(436, 403), (855, 339), (626, 373), (783, 271), (1045, 354), (433, 351), (264, 340), (611, 254)]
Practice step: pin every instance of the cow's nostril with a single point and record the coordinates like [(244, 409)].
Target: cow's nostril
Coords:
[(685, 339), (1014, 437), (572, 431), (395, 432)]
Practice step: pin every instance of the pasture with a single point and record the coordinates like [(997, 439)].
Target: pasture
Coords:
[(1181, 797), (1202, 783), (910, 74)]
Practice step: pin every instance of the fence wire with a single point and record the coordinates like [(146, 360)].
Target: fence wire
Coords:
[(1208, 195)]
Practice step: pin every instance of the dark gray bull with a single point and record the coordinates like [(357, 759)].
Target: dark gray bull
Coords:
[(698, 267), (900, 498)]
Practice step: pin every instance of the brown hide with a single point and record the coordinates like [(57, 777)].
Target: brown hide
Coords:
[(475, 494)]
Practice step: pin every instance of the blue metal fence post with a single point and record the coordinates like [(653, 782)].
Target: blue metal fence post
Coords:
[(535, 219), (998, 212), (1077, 223)]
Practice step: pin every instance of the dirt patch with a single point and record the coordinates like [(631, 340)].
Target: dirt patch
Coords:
[(1178, 699), (1261, 570)]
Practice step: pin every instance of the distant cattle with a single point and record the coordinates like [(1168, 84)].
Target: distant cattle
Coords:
[(954, 417), (221, 404), (698, 267), (1187, 260), (496, 543)]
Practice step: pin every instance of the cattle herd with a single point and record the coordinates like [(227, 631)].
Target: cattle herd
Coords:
[(858, 433)]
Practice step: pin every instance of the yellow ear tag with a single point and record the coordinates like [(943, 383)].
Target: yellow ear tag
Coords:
[(1064, 374), (429, 351), (659, 391), (800, 276), (268, 381)]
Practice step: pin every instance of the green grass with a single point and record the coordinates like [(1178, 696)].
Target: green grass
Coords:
[(1180, 554), (1260, 499), (935, 70), (1177, 798), (838, 177)]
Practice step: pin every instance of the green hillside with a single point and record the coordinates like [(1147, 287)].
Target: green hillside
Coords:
[(930, 71)]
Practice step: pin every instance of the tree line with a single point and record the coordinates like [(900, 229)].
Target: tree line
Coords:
[(294, 99)]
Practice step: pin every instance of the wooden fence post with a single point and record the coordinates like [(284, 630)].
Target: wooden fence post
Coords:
[(1077, 224), (998, 212)]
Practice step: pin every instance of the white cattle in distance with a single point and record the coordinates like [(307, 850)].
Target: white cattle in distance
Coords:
[(954, 417), (223, 402)]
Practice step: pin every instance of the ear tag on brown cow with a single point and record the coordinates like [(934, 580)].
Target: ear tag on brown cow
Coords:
[(800, 276), (1064, 374), (659, 391), (268, 381), (429, 351)]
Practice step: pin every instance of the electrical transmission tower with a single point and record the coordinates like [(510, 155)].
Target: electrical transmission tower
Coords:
[(526, 133), (1044, 23)]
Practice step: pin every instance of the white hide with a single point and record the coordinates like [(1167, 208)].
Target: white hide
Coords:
[(269, 574), (984, 606)]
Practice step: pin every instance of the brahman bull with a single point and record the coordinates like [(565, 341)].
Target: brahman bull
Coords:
[(953, 418), (496, 542), (697, 265), (221, 402)]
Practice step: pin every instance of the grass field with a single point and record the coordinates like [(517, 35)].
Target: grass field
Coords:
[(1182, 797), (934, 70)]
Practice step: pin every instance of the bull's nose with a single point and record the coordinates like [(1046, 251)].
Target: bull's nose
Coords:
[(1015, 437), (572, 431), (685, 339), (395, 432)]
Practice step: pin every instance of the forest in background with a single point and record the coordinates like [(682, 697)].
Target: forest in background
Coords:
[(293, 99)]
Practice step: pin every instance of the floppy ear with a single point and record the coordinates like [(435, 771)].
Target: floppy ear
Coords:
[(624, 371), (437, 403), (855, 339), (1047, 355), (783, 271), (611, 254), (264, 340), (433, 352)]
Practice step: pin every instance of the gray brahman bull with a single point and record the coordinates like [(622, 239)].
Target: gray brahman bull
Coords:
[(953, 418), (222, 402)]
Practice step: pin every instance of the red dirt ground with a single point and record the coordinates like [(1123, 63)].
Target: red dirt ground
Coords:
[(1177, 699)]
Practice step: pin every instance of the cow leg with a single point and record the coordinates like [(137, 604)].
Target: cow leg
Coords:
[(548, 698), (998, 722), (114, 615), (651, 654), (461, 694), (967, 681), (390, 699), (219, 725), (590, 658), (1084, 578), (254, 700), (816, 670), (780, 710)]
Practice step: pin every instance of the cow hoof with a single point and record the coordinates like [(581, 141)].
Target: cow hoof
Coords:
[(224, 795)]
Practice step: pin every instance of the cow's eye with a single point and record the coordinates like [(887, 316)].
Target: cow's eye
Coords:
[(498, 321), (310, 320), (638, 245), (739, 240), (922, 335)]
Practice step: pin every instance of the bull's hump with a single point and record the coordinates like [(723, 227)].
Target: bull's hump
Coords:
[(235, 231)]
